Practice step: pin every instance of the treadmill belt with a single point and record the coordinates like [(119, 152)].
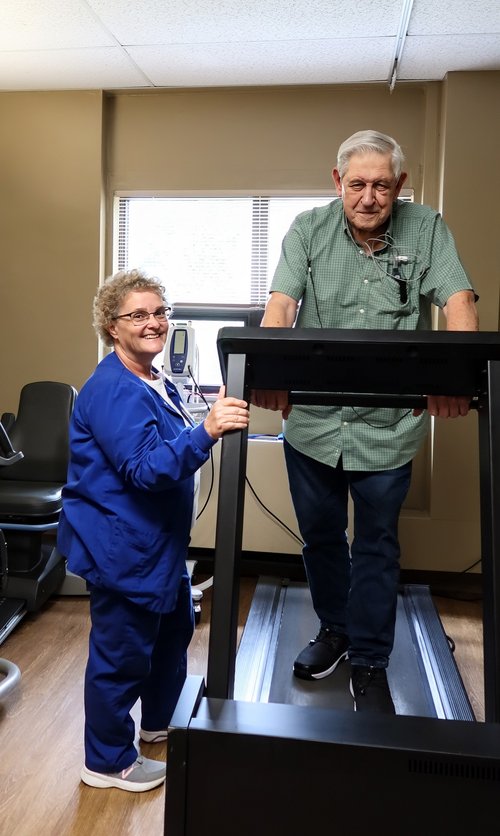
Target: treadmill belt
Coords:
[(422, 674)]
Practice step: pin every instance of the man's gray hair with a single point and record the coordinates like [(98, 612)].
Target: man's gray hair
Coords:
[(364, 142)]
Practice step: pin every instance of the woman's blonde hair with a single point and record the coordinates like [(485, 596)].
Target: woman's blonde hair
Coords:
[(111, 294)]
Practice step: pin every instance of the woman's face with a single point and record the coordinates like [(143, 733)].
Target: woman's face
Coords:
[(143, 342)]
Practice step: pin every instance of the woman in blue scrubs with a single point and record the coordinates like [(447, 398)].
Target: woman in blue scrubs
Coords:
[(125, 527)]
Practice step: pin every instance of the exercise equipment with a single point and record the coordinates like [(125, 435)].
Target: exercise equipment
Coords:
[(280, 767)]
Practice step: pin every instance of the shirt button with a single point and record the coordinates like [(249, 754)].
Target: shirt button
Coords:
[(361, 310), (346, 423), (365, 281)]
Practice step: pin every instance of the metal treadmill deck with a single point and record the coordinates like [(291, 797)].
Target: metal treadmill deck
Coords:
[(422, 673)]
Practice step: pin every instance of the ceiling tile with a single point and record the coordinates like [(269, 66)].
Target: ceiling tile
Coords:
[(114, 44), (460, 17), (73, 69), (295, 62), (431, 58), (220, 21), (50, 24)]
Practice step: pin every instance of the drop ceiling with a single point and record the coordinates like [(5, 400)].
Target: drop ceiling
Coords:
[(119, 44)]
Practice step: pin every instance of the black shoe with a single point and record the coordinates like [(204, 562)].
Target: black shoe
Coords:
[(321, 656), (370, 690)]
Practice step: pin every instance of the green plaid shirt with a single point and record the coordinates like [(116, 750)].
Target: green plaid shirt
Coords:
[(322, 267)]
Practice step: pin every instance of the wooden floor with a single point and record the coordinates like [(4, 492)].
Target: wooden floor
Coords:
[(41, 722)]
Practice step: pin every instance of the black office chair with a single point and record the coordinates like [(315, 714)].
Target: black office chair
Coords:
[(10, 613), (31, 489)]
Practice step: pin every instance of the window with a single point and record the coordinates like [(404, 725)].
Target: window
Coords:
[(215, 255)]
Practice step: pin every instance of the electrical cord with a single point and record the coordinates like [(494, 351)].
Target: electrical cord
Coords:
[(472, 566), (198, 388), (202, 396), (309, 271), (380, 426), (212, 469), (403, 291), (395, 256), (377, 261), (471, 597), (358, 415), (261, 503), (201, 587), (274, 516), (268, 510), (457, 595), (209, 582), (212, 479)]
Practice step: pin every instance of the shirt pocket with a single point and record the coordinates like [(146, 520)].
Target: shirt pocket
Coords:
[(394, 303), (396, 294)]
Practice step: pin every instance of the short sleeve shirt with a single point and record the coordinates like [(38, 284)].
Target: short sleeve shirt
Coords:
[(339, 286)]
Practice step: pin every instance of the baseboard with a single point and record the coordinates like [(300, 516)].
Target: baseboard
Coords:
[(254, 564), (465, 586)]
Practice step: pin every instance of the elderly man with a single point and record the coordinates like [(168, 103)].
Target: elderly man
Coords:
[(367, 260)]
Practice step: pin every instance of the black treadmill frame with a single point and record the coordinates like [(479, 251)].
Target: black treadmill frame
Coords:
[(372, 368)]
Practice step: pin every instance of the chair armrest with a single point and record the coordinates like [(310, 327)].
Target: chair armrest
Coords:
[(7, 453), (8, 419)]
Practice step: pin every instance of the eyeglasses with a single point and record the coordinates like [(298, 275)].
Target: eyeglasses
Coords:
[(140, 317)]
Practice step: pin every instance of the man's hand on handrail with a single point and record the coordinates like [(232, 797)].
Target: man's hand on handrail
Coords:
[(275, 399), (446, 406)]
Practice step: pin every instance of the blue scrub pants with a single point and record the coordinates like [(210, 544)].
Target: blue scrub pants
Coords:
[(133, 654), (354, 591)]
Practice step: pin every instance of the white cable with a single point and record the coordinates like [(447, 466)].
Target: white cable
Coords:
[(204, 584)]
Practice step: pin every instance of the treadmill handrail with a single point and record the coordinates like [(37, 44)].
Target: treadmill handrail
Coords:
[(366, 399), (362, 361), (276, 357)]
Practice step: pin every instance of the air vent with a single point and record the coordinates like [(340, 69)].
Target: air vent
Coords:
[(454, 769)]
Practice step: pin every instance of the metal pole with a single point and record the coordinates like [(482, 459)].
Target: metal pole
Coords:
[(489, 464), (225, 596)]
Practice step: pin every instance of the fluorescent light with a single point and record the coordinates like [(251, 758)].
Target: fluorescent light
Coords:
[(400, 41)]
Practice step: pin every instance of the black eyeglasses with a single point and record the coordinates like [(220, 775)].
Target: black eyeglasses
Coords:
[(140, 317)]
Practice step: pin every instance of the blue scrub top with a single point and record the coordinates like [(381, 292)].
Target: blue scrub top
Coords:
[(128, 500)]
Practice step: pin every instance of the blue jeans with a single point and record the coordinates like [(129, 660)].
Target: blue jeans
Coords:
[(133, 654), (354, 591)]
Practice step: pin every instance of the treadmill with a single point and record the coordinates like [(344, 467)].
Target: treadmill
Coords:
[(255, 742)]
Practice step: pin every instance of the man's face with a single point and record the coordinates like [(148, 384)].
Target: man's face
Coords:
[(368, 189)]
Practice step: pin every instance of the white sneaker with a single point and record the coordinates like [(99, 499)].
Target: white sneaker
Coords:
[(144, 774), (153, 736)]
